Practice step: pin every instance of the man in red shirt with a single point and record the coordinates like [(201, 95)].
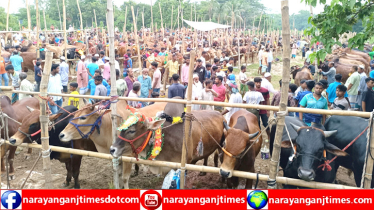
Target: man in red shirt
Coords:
[(3, 73), (220, 89), (264, 114)]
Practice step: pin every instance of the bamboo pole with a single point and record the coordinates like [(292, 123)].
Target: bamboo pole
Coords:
[(64, 19), (178, 17), (171, 21), (45, 23), (143, 27), (274, 163), (152, 29), (259, 23), (37, 29), (28, 16), (187, 138), (44, 119), (113, 91), (136, 40), (190, 167), (59, 14), (162, 23), (124, 24), (368, 170), (81, 21), (180, 101), (96, 22), (195, 12), (7, 17)]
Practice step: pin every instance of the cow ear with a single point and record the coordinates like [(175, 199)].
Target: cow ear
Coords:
[(334, 150), (53, 117), (155, 124), (287, 144)]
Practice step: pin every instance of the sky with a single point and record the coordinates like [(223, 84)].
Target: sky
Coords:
[(272, 5)]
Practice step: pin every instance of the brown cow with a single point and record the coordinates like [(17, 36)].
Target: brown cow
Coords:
[(18, 115), (303, 74), (100, 139), (240, 133), (173, 137)]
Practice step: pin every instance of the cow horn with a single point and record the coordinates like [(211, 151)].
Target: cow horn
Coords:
[(30, 109), (329, 133), (253, 135), (295, 127), (226, 126)]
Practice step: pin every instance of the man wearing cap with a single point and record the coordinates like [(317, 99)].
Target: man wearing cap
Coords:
[(266, 83), (64, 74), (16, 61), (106, 72), (362, 86), (82, 76), (330, 74)]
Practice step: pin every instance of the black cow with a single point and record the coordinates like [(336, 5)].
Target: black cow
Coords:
[(31, 124), (349, 128), (310, 144)]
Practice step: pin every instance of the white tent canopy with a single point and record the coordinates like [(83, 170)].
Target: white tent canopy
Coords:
[(205, 26)]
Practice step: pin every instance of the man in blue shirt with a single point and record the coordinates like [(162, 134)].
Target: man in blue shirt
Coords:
[(176, 89), (16, 61), (92, 67), (92, 86), (330, 74), (146, 85), (331, 90), (301, 94), (314, 101)]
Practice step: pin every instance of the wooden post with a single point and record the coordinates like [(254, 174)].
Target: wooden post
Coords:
[(259, 23), (124, 25), (143, 27), (152, 29), (136, 40), (7, 17), (28, 16), (186, 139), (95, 22), (59, 14), (195, 12), (44, 119), (171, 21), (117, 172), (274, 163), (80, 16), (178, 17), (368, 167), (64, 18), (37, 29)]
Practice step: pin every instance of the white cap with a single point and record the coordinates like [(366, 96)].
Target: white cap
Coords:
[(267, 74), (106, 58), (262, 47), (83, 57), (195, 75), (96, 55), (362, 66), (62, 58)]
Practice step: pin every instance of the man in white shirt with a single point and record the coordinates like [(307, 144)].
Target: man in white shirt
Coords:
[(260, 58), (25, 85), (270, 60), (202, 58), (307, 54), (235, 98), (243, 80), (55, 86), (266, 83)]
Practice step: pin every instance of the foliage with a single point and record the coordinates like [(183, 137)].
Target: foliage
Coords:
[(13, 21), (338, 18)]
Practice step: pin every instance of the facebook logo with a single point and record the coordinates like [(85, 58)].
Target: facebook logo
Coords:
[(11, 199)]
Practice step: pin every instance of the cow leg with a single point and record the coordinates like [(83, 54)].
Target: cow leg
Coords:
[(28, 154), (235, 182), (126, 174), (12, 152), (216, 154), (136, 172), (3, 152), (205, 164), (69, 173), (76, 161), (229, 183)]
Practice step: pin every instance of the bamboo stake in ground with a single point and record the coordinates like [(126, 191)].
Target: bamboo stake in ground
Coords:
[(95, 21), (64, 19), (162, 23), (152, 29), (171, 21), (45, 26), (187, 122), (118, 184), (124, 25), (259, 23), (136, 40), (44, 119), (274, 163), (7, 16), (80, 16), (37, 29)]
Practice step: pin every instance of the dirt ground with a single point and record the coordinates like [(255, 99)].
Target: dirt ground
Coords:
[(97, 173)]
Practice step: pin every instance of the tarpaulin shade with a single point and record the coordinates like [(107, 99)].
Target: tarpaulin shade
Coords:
[(205, 26)]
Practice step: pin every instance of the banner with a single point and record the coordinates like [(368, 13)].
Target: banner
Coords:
[(186, 199)]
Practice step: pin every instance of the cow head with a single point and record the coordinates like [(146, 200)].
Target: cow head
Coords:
[(135, 130), (310, 145), (83, 117), (236, 143), (30, 125)]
